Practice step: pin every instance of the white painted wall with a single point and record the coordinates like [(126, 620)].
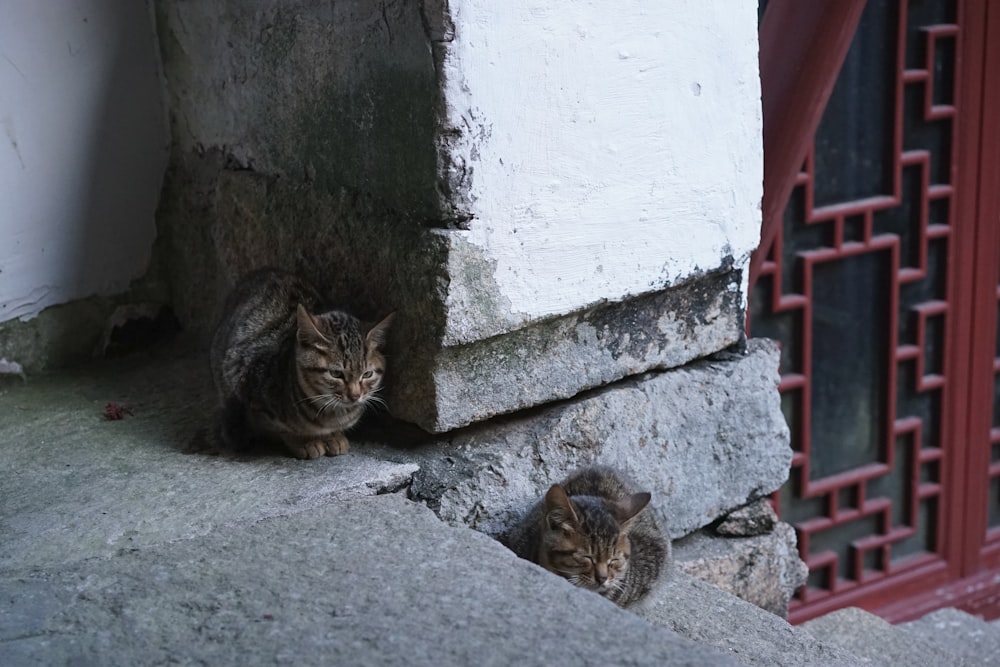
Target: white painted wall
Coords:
[(83, 146), (614, 146)]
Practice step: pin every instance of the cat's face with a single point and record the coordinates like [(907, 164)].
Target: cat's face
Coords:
[(338, 358), (593, 561), (585, 540)]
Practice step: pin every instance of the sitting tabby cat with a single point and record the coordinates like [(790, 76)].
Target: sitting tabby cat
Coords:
[(286, 371), (595, 530)]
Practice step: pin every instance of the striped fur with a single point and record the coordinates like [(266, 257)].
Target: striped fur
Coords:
[(595, 530), (286, 370)]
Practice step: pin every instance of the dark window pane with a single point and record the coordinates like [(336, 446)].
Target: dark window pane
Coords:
[(850, 323), (854, 141)]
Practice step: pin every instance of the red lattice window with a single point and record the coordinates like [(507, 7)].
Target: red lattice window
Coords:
[(855, 286)]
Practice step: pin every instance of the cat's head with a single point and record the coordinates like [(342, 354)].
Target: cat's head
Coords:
[(585, 538), (338, 357)]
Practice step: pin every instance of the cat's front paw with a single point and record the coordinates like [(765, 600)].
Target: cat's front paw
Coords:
[(337, 445), (309, 450)]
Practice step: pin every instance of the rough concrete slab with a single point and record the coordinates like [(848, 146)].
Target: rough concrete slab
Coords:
[(703, 439), (374, 581), (74, 485), (542, 362), (763, 569), (750, 635), (879, 643), (959, 633)]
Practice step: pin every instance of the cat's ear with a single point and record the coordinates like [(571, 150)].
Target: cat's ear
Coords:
[(559, 512), (308, 333), (376, 335), (628, 507)]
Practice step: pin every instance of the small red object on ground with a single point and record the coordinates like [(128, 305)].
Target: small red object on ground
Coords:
[(115, 411)]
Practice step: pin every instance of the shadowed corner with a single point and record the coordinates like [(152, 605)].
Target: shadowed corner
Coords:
[(120, 169)]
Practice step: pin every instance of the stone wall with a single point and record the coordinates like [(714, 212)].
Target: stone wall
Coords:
[(368, 146)]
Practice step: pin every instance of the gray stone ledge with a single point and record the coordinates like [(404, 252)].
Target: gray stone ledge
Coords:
[(559, 358), (372, 581), (703, 439), (703, 613)]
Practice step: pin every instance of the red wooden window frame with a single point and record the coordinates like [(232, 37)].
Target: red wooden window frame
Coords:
[(802, 48)]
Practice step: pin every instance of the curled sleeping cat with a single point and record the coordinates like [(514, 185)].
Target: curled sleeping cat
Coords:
[(595, 530), (288, 370)]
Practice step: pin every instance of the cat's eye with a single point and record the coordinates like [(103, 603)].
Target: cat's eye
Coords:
[(337, 375), (368, 374)]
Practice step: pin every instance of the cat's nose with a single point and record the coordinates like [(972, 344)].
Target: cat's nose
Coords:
[(600, 575)]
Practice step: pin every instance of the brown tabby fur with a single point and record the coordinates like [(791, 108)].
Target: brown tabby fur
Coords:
[(287, 370), (593, 529)]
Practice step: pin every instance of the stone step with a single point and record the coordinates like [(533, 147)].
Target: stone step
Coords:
[(707, 615), (369, 581), (877, 642), (75, 485), (960, 633), (120, 549), (933, 640)]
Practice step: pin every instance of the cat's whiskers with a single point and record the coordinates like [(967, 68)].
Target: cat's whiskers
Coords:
[(375, 400), (615, 585), (327, 399), (333, 400), (310, 399)]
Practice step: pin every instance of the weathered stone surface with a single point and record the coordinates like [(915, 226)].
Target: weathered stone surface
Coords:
[(876, 642), (74, 485), (375, 581), (342, 94), (703, 439), (120, 550), (755, 519), (764, 570), (557, 359), (964, 635), (752, 636), (218, 223)]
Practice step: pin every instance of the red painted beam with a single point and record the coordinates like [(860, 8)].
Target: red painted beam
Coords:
[(802, 47), (975, 292)]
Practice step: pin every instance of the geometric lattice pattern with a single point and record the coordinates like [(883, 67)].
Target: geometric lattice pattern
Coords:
[(855, 289)]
